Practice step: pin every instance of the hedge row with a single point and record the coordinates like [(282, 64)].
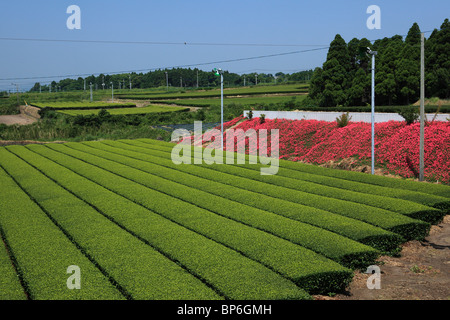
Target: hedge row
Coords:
[(354, 229), (405, 207), (202, 256), (214, 197), (325, 200), (428, 188), (10, 287), (112, 248), (432, 216), (438, 194), (41, 251), (305, 267)]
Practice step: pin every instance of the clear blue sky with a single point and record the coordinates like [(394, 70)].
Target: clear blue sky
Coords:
[(296, 22)]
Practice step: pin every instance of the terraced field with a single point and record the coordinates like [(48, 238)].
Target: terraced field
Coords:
[(126, 111), (246, 91), (82, 105), (257, 100), (141, 227)]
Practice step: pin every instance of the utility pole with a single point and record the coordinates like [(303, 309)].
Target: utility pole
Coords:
[(422, 109), (112, 91), (197, 78), (84, 84), (244, 80), (181, 82), (130, 80), (256, 79), (167, 81), (90, 86), (17, 91)]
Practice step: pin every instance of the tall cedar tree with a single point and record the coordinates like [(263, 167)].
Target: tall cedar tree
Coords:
[(345, 77)]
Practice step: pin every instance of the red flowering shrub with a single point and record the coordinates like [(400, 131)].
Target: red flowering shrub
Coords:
[(396, 144)]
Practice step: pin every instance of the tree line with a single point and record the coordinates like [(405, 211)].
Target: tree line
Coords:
[(177, 78), (345, 77)]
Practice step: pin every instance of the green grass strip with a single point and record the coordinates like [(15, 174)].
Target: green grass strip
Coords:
[(114, 249), (42, 252), (247, 201), (236, 276), (10, 287), (251, 180), (303, 266), (341, 249)]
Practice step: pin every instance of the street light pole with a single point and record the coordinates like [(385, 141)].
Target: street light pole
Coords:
[(219, 72), (373, 54), (422, 109)]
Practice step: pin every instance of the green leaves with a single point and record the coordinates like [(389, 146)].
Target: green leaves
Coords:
[(398, 59)]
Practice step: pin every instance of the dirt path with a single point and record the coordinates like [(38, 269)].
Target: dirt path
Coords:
[(421, 273), (19, 119)]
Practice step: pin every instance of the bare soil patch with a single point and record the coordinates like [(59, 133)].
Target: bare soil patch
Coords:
[(422, 272), (19, 119)]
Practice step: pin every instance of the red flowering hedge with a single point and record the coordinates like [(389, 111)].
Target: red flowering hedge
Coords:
[(396, 144)]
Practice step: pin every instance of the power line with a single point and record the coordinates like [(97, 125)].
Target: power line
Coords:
[(174, 43), (170, 43), (163, 43), (173, 67)]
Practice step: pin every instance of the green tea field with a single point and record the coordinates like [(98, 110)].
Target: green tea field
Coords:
[(140, 227)]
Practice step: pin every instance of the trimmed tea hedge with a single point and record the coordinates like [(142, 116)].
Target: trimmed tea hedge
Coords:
[(294, 262), (141, 227), (42, 252), (247, 200), (201, 256), (102, 240), (10, 287), (251, 180), (392, 201), (341, 249)]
